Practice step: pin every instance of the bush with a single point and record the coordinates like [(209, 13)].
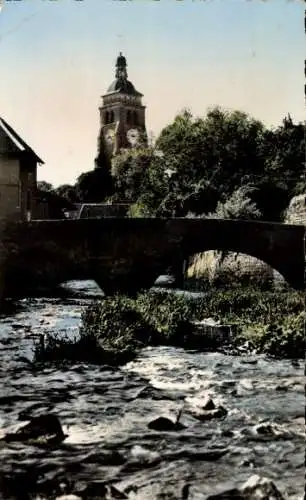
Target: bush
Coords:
[(168, 314), (58, 349), (284, 338), (110, 333), (115, 323), (113, 329), (251, 304)]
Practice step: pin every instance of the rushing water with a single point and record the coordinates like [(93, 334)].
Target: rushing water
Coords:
[(105, 412)]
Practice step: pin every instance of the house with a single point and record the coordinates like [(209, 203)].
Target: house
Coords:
[(18, 175)]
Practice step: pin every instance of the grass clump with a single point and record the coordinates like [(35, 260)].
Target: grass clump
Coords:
[(284, 339), (114, 328), (169, 316), (272, 322), (111, 332)]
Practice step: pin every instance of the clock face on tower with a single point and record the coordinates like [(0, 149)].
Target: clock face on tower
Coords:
[(133, 136), (110, 136)]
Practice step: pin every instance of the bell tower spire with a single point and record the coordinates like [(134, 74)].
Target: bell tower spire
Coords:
[(122, 114), (121, 72)]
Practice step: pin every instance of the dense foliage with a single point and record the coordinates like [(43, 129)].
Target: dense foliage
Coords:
[(54, 200), (197, 163), (115, 323), (114, 328), (239, 205), (285, 338)]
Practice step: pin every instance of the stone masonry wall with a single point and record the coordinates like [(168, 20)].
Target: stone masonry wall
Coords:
[(296, 212)]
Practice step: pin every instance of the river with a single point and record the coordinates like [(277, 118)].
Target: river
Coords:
[(105, 412)]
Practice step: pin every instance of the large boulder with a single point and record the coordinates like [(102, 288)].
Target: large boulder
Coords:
[(45, 429)]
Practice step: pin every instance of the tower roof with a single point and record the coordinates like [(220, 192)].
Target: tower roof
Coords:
[(121, 83)]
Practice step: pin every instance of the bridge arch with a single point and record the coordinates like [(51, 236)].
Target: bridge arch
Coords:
[(126, 255), (280, 246)]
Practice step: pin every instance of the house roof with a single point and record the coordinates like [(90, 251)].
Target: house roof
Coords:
[(16, 140), (100, 210)]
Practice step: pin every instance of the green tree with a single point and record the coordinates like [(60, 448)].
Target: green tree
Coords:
[(68, 192), (140, 178), (238, 206), (94, 186), (45, 186), (284, 174), (198, 162), (55, 202), (211, 156)]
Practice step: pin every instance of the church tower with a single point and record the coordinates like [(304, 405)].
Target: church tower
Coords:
[(122, 115)]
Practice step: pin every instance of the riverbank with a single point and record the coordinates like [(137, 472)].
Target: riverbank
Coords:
[(114, 328)]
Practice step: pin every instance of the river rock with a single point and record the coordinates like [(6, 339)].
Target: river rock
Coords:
[(141, 455), (150, 392), (247, 361), (165, 424), (201, 401), (68, 497), (264, 429), (45, 429), (255, 488), (281, 388), (208, 404), (203, 414), (17, 326), (203, 407), (262, 488), (97, 490), (116, 494)]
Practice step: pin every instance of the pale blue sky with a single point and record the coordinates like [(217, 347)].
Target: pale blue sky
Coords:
[(58, 59)]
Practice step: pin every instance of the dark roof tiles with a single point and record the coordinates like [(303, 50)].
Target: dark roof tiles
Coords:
[(16, 141)]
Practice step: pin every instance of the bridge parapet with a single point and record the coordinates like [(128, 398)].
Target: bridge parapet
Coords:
[(129, 254)]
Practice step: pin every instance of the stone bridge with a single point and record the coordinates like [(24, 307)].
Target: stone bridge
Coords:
[(126, 255)]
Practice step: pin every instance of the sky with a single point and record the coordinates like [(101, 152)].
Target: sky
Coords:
[(58, 57)]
